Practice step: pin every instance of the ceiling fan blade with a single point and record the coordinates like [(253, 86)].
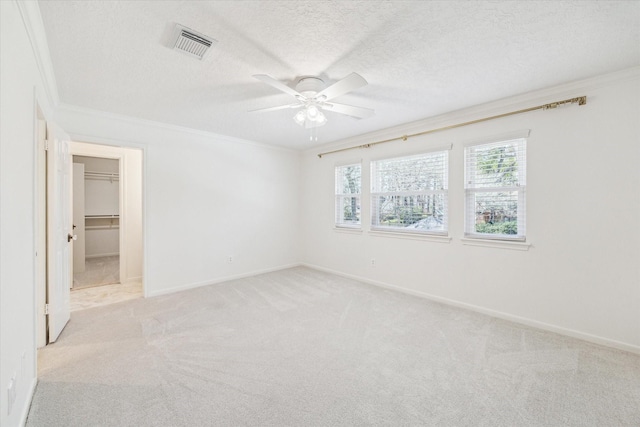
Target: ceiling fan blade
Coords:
[(279, 107), (349, 110), (352, 82), (278, 85)]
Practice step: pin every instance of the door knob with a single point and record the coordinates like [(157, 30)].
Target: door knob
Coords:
[(71, 237)]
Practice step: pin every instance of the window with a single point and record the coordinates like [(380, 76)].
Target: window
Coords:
[(348, 189), (410, 193), (495, 180)]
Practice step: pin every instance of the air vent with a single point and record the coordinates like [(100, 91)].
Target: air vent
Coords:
[(191, 42)]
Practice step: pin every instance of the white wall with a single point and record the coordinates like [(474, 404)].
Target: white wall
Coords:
[(98, 164), (207, 198), (581, 274), (19, 77), (101, 195)]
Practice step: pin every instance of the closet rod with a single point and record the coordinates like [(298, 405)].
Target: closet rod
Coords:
[(101, 174)]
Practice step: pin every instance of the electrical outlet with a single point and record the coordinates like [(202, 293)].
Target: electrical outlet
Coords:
[(373, 262), (230, 259)]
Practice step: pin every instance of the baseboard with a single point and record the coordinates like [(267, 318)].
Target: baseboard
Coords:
[(101, 255), (219, 280), (493, 313), (27, 406), (131, 280)]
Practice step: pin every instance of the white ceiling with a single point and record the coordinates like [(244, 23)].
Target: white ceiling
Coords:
[(421, 58)]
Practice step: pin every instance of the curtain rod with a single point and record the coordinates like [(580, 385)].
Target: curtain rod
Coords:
[(580, 100)]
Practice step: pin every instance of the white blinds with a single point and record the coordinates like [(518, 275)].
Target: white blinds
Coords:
[(348, 190), (410, 193), (495, 182), (413, 173)]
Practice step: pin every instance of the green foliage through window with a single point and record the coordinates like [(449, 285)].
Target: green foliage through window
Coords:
[(495, 180)]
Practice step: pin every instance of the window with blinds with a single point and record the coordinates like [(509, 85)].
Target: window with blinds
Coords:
[(410, 194), (348, 190), (495, 182)]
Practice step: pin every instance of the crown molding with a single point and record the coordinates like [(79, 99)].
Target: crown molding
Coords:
[(524, 100), (34, 26), (74, 109), (32, 20)]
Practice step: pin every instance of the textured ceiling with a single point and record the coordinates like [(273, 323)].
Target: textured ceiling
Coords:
[(421, 58)]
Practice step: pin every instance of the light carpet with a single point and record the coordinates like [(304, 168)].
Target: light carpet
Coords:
[(97, 272), (301, 347)]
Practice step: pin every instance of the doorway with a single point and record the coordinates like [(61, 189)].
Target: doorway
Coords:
[(108, 217), (96, 216), (123, 219)]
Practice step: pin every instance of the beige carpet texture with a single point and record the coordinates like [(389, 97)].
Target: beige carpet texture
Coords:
[(300, 347), (98, 271)]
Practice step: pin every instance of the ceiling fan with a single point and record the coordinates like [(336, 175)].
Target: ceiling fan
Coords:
[(312, 97)]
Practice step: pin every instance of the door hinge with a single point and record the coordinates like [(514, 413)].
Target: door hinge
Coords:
[(46, 145), (46, 309)]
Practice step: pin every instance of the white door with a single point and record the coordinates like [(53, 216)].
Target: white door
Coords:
[(60, 231)]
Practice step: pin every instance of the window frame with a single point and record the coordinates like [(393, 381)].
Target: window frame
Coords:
[(521, 138), (340, 195), (374, 195)]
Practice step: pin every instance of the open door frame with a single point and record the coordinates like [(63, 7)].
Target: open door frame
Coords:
[(131, 209), (107, 152)]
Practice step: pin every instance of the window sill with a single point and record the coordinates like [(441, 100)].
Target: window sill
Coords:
[(348, 230), (501, 244), (411, 236)]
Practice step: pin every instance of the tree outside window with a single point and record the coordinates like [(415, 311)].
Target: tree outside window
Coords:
[(410, 193), (495, 189), (348, 190)]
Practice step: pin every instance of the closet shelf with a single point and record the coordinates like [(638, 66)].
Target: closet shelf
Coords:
[(101, 222), (102, 175)]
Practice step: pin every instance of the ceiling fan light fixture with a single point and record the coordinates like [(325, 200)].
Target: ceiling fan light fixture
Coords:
[(310, 116), (321, 119), (312, 97), (312, 112), (300, 117)]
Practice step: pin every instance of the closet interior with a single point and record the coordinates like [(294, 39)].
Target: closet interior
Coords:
[(96, 217)]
